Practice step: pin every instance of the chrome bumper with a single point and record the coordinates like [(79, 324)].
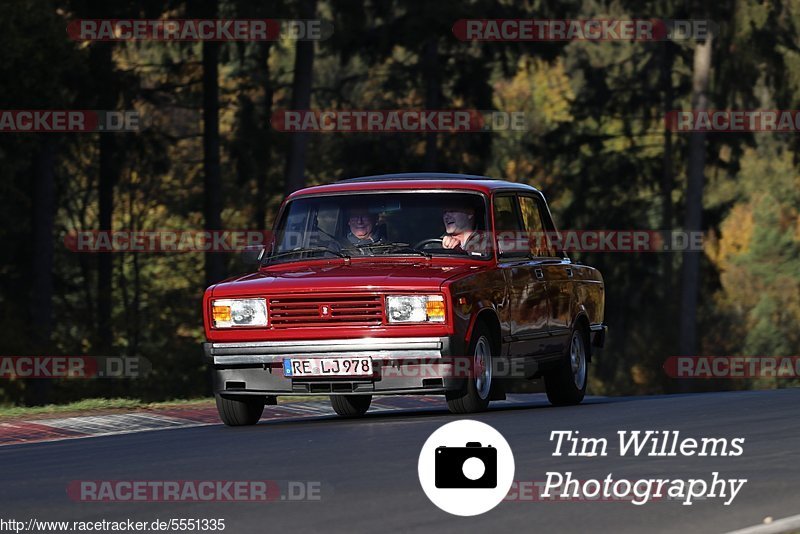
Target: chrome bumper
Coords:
[(267, 352)]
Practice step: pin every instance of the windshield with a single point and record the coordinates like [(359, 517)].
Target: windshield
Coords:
[(427, 223)]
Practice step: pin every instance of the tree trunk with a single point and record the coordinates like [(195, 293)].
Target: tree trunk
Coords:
[(694, 203), (667, 179), (107, 179), (212, 178), (301, 100), (263, 189), (668, 309), (433, 91), (41, 303)]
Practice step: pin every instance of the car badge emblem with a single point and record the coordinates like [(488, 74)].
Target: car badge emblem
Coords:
[(325, 311)]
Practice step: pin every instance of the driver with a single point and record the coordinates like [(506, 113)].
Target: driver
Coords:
[(362, 223), (459, 226)]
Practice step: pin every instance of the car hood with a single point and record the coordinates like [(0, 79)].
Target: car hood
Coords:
[(342, 277)]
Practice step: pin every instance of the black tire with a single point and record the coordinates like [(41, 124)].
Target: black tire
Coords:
[(240, 411), (566, 385), (351, 405), (474, 397)]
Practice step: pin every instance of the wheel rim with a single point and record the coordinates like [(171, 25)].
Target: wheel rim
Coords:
[(577, 360), (482, 364)]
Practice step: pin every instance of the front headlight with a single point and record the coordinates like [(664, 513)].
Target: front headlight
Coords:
[(415, 309), (227, 313)]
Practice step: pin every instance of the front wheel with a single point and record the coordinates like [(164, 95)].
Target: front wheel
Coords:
[(566, 385), (351, 405), (238, 411), (475, 396)]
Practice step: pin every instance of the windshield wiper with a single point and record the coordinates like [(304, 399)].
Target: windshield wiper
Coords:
[(401, 246), (301, 250)]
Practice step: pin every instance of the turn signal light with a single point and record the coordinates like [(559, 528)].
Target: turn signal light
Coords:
[(435, 310)]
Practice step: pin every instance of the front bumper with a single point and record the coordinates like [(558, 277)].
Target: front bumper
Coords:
[(402, 365)]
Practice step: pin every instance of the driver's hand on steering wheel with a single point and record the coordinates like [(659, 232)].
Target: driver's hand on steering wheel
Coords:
[(449, 241)]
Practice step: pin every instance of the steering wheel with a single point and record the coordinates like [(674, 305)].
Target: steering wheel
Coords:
[(430, 241)]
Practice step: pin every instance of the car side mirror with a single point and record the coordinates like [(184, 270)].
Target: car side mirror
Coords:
[(253, 254)]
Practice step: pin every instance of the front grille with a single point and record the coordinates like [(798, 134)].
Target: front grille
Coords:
[(342, 310)]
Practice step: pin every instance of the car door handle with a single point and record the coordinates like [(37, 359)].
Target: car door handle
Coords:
[(539, 273), (569, 272)]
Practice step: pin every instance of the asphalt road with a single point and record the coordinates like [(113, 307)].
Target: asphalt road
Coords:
[(367, 468)]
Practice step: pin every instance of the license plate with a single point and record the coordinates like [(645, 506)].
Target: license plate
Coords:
[(302, 367)]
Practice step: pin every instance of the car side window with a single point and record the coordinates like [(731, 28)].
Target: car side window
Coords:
[(507, 225), (532, 218)]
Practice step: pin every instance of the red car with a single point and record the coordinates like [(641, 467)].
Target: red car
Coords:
[(405, 284)]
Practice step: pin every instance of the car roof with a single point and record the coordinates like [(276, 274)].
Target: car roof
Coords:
[(423, 180)]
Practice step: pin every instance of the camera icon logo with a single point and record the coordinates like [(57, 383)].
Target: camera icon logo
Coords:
[(472, 466), (466, 467)]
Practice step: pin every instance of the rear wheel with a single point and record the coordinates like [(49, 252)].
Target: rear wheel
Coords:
[(475, 396), (566, 385), (240, 411), (351, 405)]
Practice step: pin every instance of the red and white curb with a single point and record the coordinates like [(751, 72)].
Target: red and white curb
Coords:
[(18, 432)]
